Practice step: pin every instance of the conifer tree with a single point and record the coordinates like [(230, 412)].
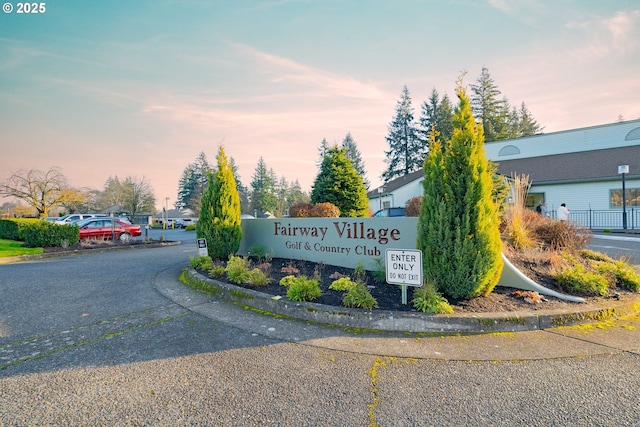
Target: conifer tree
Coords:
[(340, 184), (263, 189), (458, 226), (528, 125), (192, 183), (219, 220), (353, 154), (406, 150), (436, 114)]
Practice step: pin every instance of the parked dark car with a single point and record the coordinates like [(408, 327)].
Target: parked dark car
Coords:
[(105, 228), (389, 212)]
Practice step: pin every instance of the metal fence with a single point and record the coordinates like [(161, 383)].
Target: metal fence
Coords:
[(603, 219)]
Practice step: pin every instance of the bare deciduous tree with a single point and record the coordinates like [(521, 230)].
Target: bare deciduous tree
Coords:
[(41, 190)]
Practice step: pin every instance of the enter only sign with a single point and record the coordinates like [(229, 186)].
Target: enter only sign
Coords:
[(403, 266)]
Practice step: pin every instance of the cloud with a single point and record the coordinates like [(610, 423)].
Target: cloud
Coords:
[(285, 70), (617, 34)]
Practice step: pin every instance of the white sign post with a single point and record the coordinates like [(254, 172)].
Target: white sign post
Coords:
[(403, 267), (202, 247)]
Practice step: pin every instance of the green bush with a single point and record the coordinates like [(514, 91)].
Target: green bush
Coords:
[(379, 273), (621, 274), (576, 280), (44, 234), (256, 277), (287, 281), (200, 263), (595, 256), (237, 269), (261, 252), (13, 229), (359, 297), (190, 227), (428, 300), (303, 289), (216, 271), (342, 284)]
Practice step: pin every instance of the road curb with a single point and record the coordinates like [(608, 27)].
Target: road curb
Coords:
[(416, 322)]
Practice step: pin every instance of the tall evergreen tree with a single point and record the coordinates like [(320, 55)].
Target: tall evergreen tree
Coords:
[(406, 151), (263, 189), (219, 220), (192, 183), (339, 183), (322, 150), (296, 195), (458, 226), (487, 107), (436, 114), (353, 154), (243, 191), (528, 126), (282, 190)]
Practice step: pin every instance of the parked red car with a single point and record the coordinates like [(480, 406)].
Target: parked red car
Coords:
[(105, 228)]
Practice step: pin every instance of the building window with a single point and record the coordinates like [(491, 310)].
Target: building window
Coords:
[(632, 197), (634, 134), (509, 150)]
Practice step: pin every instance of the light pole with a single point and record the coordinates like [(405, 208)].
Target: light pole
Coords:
[(623, 169), (166, 209)]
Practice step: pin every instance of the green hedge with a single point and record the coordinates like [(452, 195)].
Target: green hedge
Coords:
[(44, 234), (14, 228)]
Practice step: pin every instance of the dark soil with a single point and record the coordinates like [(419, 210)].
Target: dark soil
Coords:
[(389, 297)]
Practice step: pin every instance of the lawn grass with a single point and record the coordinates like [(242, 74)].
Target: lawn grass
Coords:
[(14, 248)]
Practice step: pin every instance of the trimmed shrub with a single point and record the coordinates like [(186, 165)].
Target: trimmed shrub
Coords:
[(260, 252), (201, 262), (44, 234), (13, 228), (359, 297), (287, 281), (256, 277), (342, 284), (237, 269), (458, 227), (216, 271), (324, 210), (428, 300), (219, 220), (303, 289), (300, 210)]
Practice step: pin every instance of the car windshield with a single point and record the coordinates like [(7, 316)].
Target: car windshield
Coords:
[(83, 222)]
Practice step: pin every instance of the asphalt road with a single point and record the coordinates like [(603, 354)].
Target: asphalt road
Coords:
[(93, 340)]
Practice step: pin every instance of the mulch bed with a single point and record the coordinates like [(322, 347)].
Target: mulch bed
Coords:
[(389, 297)]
